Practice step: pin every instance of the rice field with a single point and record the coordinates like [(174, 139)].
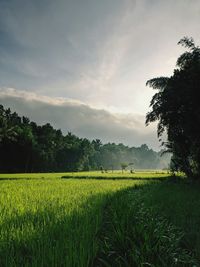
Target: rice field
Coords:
[(91, 174), (47, 220), (141, 174), (52, 222)]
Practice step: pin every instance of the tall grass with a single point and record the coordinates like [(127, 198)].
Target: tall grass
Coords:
[(48, 221), (53, 222), (179, 203), (135, 235)]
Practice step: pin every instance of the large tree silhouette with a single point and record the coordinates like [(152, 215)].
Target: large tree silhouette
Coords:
[(176, 108)]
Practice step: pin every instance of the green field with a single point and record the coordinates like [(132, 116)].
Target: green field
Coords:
[(91, 174), (46, 220)]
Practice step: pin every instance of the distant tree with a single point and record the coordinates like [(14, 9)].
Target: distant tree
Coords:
[(124, 166), (97, 144), (102, 169), (131, 164)]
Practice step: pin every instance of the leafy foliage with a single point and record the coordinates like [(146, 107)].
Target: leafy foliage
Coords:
[(28, 147), (177, 110)]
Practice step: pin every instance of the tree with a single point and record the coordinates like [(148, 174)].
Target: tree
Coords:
[(7, 131), (124, 166), (176, 108), (131, 164), (28, 147)]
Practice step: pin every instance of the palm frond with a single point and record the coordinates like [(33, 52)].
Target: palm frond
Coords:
[(158, 83)]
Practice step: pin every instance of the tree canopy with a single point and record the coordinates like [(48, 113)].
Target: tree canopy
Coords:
[(176, 108), (28, 147)]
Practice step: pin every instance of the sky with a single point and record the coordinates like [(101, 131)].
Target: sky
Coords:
[(83, 65)]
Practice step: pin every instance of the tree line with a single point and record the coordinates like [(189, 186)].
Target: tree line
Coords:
[(28, 147)]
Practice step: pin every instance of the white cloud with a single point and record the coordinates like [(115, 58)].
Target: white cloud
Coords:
[(32, 96), (81, 119)]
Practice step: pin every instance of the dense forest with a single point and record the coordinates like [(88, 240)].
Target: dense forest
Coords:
[(28, 147)]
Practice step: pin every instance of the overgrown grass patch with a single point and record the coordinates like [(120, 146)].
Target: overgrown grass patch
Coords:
[(179, 203), (135, 234)]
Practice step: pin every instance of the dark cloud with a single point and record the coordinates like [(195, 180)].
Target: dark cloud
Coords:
[(81, 119)]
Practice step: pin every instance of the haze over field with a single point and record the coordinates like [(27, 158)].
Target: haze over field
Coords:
[(83, 65)]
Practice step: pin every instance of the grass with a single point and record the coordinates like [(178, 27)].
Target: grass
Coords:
[(48, 221), (179, 203), (53, 222), (136, 233), (29, 176), (92, 174), (118, 175)]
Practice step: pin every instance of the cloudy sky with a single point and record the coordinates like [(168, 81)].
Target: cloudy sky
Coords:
[(82, 65)]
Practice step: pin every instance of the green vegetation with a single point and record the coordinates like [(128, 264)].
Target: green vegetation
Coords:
[(179, 203), (27, 147), (116, 175), (176, 108), (113, 175), (49, 221), (126, 217), (53, 222), (137, 233)]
